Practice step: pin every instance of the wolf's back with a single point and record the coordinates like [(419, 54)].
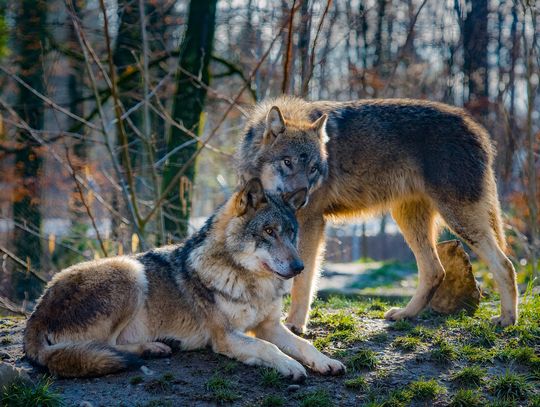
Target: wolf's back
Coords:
[(74, 359)]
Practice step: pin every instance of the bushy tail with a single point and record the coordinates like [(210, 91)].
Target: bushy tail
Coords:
[(76, 359)]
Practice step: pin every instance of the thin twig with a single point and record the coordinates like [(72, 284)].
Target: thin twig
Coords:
[(87, 49), (118, 112), (47, 100), (35, 135), (288, 52), (404, 47), (179, 174), (22, 263), (86, 206), (305, 85)]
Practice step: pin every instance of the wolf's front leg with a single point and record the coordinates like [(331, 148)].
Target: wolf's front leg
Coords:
[(254, 351), (275, 332), (311, 248)]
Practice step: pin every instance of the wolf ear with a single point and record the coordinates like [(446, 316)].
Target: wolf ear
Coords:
[(319, 126), (296, 199), (252, 196), (275, 124)]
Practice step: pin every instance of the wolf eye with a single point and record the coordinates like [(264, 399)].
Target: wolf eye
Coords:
[(287, 162), (314, 169), (269, 231)]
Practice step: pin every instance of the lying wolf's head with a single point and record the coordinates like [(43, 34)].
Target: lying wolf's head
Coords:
[(287, 155), (262, 232)]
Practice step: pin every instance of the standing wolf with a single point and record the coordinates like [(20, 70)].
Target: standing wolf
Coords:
[(98, 317), (421, 160)]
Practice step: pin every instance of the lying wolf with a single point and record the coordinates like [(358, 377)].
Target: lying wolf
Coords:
[(421, 160), (100, 316)]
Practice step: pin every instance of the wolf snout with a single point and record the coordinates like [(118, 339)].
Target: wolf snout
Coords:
[(297, 266)]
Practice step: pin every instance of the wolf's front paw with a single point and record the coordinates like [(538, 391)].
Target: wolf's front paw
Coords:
[(296, 329), (504, 320), (396, 314), (291, 369), (327, 366), (155, 350)]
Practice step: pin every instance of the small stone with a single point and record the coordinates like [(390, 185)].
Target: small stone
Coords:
[(293, 387), (147, 371), (10, 374), (459, 290), (85, 404)]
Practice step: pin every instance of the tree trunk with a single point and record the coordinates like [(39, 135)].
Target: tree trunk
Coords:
[(126, 57), (475, 56), (30, 26), (188, 104)]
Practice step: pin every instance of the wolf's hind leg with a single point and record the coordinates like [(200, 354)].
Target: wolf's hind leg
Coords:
[(311, 248), (416, 219), (479, 225)]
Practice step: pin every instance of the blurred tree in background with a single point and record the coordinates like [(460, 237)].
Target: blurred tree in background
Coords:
[(107, 110)]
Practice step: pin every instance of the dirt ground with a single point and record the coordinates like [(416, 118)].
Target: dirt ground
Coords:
[(342, 327)]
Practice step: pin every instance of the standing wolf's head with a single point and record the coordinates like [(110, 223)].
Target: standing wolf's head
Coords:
[(287, 154), (262, 230)]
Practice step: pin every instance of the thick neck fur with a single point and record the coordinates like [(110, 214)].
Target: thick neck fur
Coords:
[(219, 269)]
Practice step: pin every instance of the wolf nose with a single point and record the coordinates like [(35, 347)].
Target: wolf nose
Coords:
[(297, 266)]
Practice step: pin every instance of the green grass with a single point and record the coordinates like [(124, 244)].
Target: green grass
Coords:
[(363, 359), (271, 378), (358, 383), (509, 386), (273, 400), (425, 389), (316, 398), (221, 389), (20, 394), (467, 398), (521, 354), (162, 385), (401, 326), (379, 337), (443, 352), (6, 340), (475, 354), (535, 401), (337, 321), (136, 380), (229, 366), (469, 376), (407, 343), (422, 332)]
